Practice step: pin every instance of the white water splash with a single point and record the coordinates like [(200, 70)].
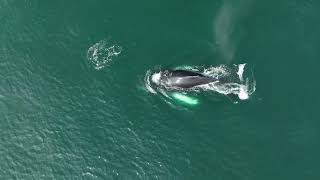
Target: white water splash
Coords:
[(102, 53), (217, 72), (240, 71), (148, 83), (234, 85), (156, 78)]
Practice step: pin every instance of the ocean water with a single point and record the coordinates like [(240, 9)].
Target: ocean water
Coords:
[(74, 103)]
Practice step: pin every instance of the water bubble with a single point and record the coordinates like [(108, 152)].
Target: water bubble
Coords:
[(102, 53)]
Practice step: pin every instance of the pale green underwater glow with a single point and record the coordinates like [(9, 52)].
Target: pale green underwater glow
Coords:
[(185, 99)]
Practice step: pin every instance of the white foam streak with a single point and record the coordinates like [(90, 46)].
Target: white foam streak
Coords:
[(148, 83), (240, 71)]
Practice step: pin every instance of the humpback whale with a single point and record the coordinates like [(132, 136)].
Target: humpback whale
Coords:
[(181, 79), (223, 79)]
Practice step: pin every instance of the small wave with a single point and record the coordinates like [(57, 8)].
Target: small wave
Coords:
[(147, 81), (102, 53)]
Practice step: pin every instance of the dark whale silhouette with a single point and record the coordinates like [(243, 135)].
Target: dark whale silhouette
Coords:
[(185, 79)]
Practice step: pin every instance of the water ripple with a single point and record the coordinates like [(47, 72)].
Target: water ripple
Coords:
[(102, 53)]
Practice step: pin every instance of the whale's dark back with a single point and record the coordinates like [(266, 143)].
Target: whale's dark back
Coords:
[(187, 79), (184, 73)]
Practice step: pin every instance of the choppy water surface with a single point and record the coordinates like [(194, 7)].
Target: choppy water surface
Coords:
[(77, 99)]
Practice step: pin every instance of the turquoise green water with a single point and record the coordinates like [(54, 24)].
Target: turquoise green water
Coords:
[(62, 118)]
